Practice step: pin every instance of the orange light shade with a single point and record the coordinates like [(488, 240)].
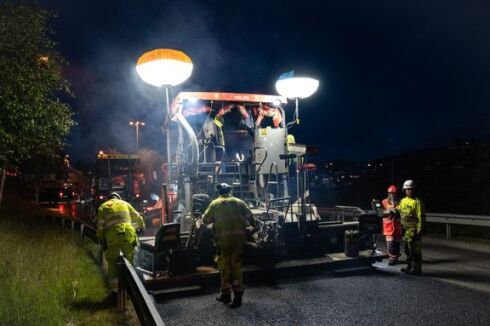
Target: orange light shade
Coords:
[(164, 67), (163, 54)]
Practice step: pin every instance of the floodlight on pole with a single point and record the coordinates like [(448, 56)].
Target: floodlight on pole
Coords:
[(165, 68), (296, 88)]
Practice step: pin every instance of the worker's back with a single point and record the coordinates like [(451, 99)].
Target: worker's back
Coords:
[(114, 214), (229, 215)]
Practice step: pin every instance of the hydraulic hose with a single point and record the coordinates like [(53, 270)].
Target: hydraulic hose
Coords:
[(193, 141)]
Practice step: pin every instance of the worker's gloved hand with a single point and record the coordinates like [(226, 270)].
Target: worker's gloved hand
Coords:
[(419, 232), (198, 223)]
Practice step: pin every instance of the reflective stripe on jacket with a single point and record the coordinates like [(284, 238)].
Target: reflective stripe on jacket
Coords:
[(230, 216), (114, 212)]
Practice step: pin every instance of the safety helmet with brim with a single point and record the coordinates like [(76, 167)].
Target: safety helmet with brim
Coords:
[(409, 184), (113, 195)]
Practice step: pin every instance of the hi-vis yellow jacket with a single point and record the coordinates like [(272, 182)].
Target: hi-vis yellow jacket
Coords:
[(412, 213), (114, 212), (231, 217)]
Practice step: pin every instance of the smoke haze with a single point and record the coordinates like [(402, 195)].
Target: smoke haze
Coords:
[(395, 70)]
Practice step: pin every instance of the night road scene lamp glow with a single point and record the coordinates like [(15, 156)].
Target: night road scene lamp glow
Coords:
[(296, 88), (164, 68)]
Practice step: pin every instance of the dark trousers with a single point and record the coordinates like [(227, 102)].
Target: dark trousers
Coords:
[(413, 249), (393, 249)]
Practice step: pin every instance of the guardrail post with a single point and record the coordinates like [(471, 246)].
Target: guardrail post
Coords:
[(121, 286), (100, 254), (72, 225), (448, 231), (82, 226), (62, 222)]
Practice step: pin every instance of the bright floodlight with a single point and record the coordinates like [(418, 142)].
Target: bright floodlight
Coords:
[(296, 87), (164, 67), (193, 100)]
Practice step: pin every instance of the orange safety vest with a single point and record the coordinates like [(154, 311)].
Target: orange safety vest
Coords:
[(391, 224)]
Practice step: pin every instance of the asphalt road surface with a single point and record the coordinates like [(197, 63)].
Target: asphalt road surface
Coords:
[(454, 291)]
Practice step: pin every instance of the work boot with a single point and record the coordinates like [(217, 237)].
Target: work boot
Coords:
[(408, 269), (224, 297), (237, 299), (392, 261), (417, 266)]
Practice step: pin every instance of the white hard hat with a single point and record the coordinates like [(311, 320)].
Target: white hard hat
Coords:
[(409, 184), (223, 188), (113, 195)]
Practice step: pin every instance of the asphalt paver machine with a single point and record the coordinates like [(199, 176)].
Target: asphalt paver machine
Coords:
[(242, 140)]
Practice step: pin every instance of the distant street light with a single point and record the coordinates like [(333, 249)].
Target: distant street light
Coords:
[(44, 59), (296, 88), (137, 125)]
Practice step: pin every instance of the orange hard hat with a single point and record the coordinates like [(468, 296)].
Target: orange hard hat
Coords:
[(392, 189)]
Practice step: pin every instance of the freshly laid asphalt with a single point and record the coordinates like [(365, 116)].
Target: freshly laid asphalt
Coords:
[(454, 291)]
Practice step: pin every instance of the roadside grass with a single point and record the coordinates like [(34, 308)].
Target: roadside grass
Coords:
[(48, 276)]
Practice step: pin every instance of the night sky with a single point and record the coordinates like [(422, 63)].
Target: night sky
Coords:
[(413, 72)]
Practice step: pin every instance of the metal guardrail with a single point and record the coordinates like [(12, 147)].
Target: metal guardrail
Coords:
[(130, 282), (344, 213), (142, 302), (448, 219)]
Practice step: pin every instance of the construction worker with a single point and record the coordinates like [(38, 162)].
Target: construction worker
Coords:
[(391, 225), (412, 213), (115, 233), (231, 217)]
